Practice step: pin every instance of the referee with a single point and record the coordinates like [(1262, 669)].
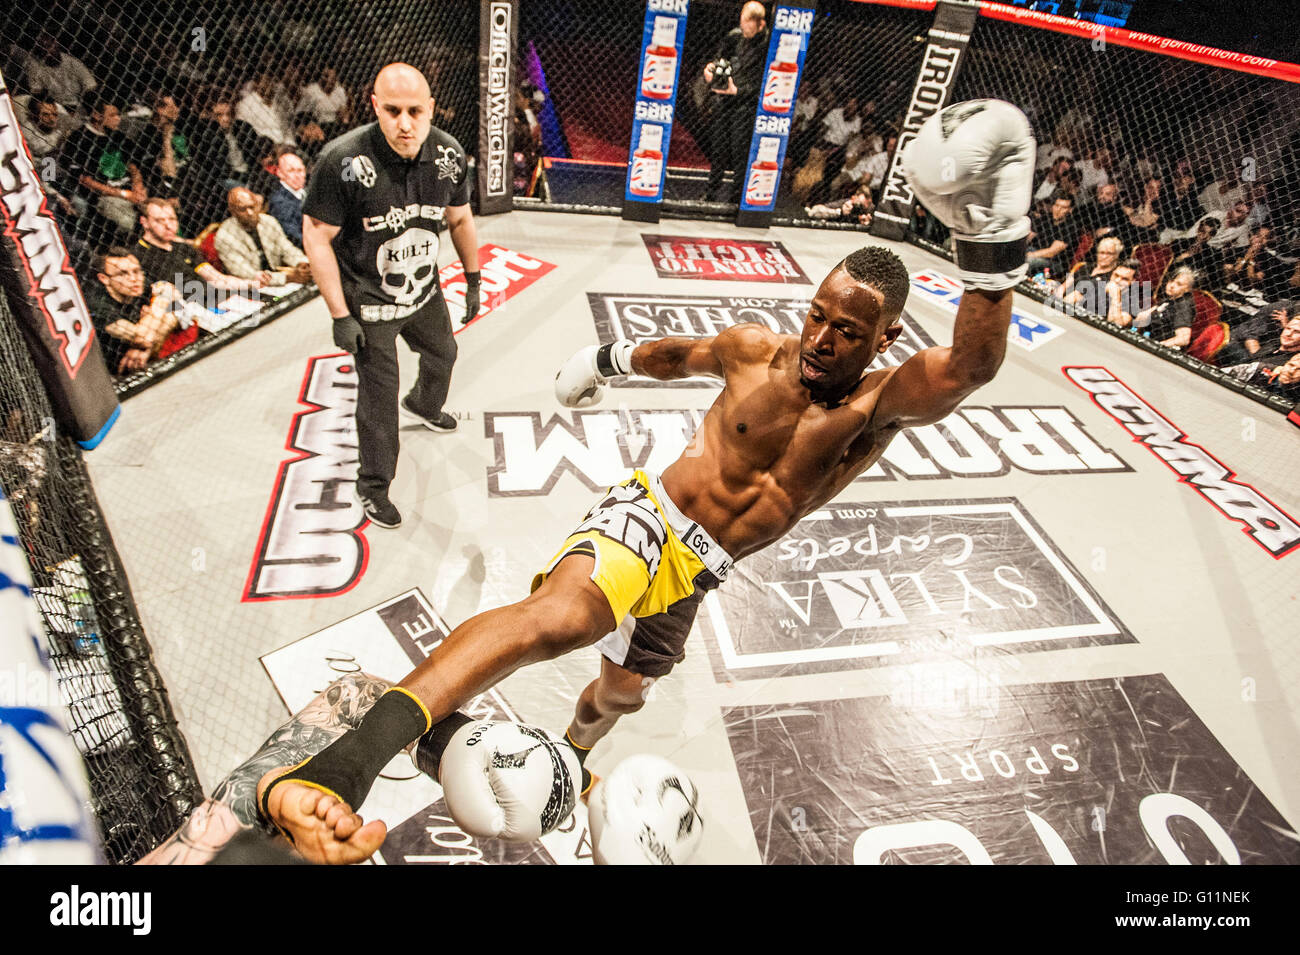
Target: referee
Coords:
[(377, 200)]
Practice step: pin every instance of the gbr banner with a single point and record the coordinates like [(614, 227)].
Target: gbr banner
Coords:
[(662, 43)]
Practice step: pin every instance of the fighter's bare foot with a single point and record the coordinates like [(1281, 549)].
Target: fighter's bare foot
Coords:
[(320, 827)]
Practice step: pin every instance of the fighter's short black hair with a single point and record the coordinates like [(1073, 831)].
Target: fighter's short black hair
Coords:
[(876, 266)]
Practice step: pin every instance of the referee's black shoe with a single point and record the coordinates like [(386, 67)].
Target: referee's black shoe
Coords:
[(379, 509), (440, 422)]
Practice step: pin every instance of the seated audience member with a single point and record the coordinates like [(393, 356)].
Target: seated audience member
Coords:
[(1277, 369), (1053, 238), (856, 208), (58, 75), (257, 107), (44, 127), (1144, 216), (1259, 333), (101, 161), (225, 153), (808, 184), (841, 124), (1104, 215), (1222, 194), (1258, 268), (1086, 285), (1049, 154), (1180, 207), (1094, 172), (1257, 198), (252, 245), (285, 201), (1196, 252), (1050, 184), (165, 259), (1235, 230), (326, 103), (163, 149), (1169, 322), (863, 163), (132, 325), (1122, 294)]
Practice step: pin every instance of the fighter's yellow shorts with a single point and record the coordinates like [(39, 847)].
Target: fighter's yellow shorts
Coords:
[(654, 566)]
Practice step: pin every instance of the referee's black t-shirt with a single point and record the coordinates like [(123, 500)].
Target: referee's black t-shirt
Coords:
[(389, 211)]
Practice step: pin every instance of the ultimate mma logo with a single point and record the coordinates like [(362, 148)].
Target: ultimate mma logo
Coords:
[(1267, 524), (311, 545), (37, 248)]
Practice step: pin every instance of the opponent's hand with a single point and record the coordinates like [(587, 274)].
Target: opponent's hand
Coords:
[(972, 166), (508, 780), (348, 334), (473, 296), (580, 381)]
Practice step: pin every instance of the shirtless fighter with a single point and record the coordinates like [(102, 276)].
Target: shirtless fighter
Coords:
[(797, 420)]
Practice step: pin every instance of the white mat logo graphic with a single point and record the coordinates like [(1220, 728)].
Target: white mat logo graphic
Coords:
[(1267, 524), (310, 545), (600, 447), (1025, 330)]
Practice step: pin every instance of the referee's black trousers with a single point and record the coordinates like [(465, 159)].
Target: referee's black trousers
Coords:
[(428, 332)]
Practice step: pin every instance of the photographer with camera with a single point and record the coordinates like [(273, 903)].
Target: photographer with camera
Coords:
[(735, 76)]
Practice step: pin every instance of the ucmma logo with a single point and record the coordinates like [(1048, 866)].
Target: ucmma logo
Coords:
[(311, 544), (1267, 524)]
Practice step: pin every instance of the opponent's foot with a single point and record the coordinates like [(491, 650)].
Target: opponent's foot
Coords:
[(321, 828)]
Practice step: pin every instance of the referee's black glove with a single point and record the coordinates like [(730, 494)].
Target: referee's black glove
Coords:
[(348, 334), (473, 296)]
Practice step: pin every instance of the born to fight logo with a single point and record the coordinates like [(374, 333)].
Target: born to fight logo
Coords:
[(310, 544), (600, 447), (730, 260), (1267, 524), (643, 318)]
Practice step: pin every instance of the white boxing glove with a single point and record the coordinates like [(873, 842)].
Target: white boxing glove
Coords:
[(647, 812), (972, 165), (580, 381), (508, 780)]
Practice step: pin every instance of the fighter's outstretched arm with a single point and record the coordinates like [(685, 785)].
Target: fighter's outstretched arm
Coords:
[(667, 359), (932, 383)]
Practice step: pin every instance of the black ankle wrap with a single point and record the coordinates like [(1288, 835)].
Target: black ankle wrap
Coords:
[(429, 750), (347, 767)]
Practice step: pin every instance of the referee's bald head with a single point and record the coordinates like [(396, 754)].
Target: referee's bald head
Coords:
[(404, 106), (401, 79)]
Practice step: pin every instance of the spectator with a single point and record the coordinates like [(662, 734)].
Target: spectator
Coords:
[(1256, 196), (1197, 252), (1180, 207), (325, 102), (865, 166), (1278, 368), (58, 75), (257, 108), (841, 124), (1257, 274), (252, 245), (1235, 229), (132, 325), (163, 149), (809, 183), (1089, 290), (224, 154), (1053, 238), (1050, 184), (285, 202), (164, 259), (1222, 194), (1105, 214), (1094, 172), (732, 115), (101, 162), (1144, 216), (1259, 333), (1122, 295), (856, 208), (44, 127), (1049, 154), (1169, 323)]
